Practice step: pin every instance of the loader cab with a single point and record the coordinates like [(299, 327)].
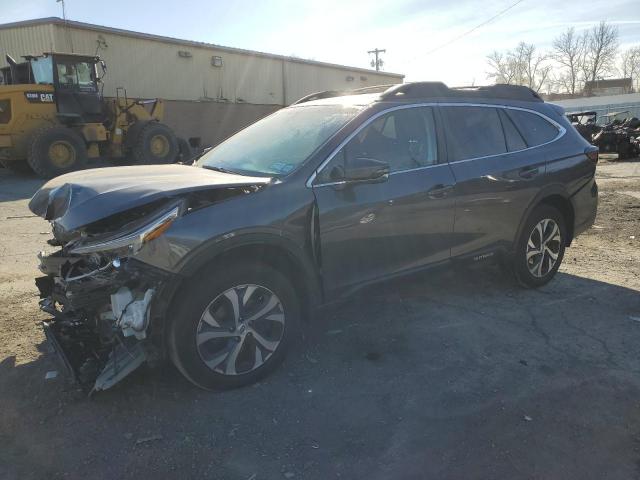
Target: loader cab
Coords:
[(75, 82), (74, 79)]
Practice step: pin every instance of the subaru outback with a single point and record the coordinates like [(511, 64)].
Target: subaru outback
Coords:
[(215, 265)]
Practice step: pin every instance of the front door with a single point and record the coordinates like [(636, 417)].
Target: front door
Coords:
[(372, 230)]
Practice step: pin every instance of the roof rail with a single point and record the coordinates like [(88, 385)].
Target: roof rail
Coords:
[(342, 93), (439, 89), (501, 90), (319, 96), (418, 90)]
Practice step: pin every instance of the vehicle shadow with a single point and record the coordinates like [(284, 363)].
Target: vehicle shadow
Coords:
[(16, 186), (394, 382)]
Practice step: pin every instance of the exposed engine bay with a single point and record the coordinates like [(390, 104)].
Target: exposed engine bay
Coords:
[(101, 314), (104, 295)]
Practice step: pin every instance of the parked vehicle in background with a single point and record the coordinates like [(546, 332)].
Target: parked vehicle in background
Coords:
[(585, 123), (53, 118), (620, 133), (215, 265)]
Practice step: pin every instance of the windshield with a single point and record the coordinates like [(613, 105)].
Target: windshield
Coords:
[(279, 143), (42, 70)]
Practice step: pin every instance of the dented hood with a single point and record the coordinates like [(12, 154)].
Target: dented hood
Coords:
[(80, 198)]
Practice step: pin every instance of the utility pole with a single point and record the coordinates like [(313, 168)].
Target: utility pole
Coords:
[(378, 62), (64, 13), (66, 25)]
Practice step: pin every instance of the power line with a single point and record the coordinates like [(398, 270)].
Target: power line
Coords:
[(502, 12)]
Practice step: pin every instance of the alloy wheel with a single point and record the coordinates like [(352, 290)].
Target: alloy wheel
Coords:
[(240, 329), (543, 247)]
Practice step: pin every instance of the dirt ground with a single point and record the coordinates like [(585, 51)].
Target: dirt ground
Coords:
[(454, 374)]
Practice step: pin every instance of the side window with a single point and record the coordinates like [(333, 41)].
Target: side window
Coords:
[(75, 74), (405, 139), (535, 129), (473, 132), (514, 140)]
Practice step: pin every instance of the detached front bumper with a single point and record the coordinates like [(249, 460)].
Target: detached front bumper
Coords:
[(102, 315)]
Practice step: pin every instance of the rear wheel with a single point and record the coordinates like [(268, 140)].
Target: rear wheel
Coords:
[(230, 330), (540, 250), (155, 144), (56, 150)]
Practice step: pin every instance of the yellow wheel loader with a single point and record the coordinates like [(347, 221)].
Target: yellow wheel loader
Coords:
[(54, 119)]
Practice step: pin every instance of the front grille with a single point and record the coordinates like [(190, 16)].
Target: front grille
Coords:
[(5, 111)]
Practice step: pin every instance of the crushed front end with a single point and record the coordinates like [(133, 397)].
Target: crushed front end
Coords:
[(121, 235), (101, 309), (102, 299)]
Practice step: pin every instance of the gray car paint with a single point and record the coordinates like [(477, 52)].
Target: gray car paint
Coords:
[(283, 213), (80, 198)]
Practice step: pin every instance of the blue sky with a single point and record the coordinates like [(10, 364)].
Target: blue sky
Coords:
[(341, 31)]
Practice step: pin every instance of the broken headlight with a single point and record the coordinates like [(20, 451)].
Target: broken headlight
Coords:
[(132, 241)]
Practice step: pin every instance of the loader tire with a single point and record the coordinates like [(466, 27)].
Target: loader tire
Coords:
[(55, 151), (155, 144)]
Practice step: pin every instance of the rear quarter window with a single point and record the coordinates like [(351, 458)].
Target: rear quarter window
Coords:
[(473, 132), (514, 139), (535, 129)]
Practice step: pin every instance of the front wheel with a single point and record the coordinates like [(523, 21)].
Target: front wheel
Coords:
[(155, 144), (56, 150), (229, 330), (541, 247)]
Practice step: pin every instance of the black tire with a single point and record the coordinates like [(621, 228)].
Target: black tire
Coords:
[(19, 167), (55, 151), (155, 144), (522, 266), (186, 152), (198, 296)]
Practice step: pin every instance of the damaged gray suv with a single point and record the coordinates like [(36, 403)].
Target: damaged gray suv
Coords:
[(214, 265)]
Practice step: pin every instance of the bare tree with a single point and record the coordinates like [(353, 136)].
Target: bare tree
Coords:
[(601, 48), (630, 64), (568, 51), (502, 70), (520, 66)]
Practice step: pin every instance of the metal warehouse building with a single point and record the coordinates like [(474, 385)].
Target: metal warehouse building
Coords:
[(211, 90), (604, 104)]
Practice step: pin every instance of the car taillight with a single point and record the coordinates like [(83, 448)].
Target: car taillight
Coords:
[(592, 154), (5, 111)]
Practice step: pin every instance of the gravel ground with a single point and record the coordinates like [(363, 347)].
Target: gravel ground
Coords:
[(453, 374)]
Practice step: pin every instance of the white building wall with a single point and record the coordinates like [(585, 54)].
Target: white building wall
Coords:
[(150, 67)]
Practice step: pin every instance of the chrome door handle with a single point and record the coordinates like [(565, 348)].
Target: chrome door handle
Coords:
[(529, 172), (439, 191)]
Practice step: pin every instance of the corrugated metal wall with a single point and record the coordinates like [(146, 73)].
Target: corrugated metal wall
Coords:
[(153, 68), (26, 40)]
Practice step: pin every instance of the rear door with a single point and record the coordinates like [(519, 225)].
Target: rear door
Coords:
[(498, 166), (371, 230)]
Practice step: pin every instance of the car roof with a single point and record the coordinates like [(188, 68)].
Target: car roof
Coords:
[(422, 92)]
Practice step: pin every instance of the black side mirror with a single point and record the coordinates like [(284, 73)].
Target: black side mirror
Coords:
[(363, 169)]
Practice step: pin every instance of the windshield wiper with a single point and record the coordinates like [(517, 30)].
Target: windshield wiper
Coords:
[(220, 169)]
